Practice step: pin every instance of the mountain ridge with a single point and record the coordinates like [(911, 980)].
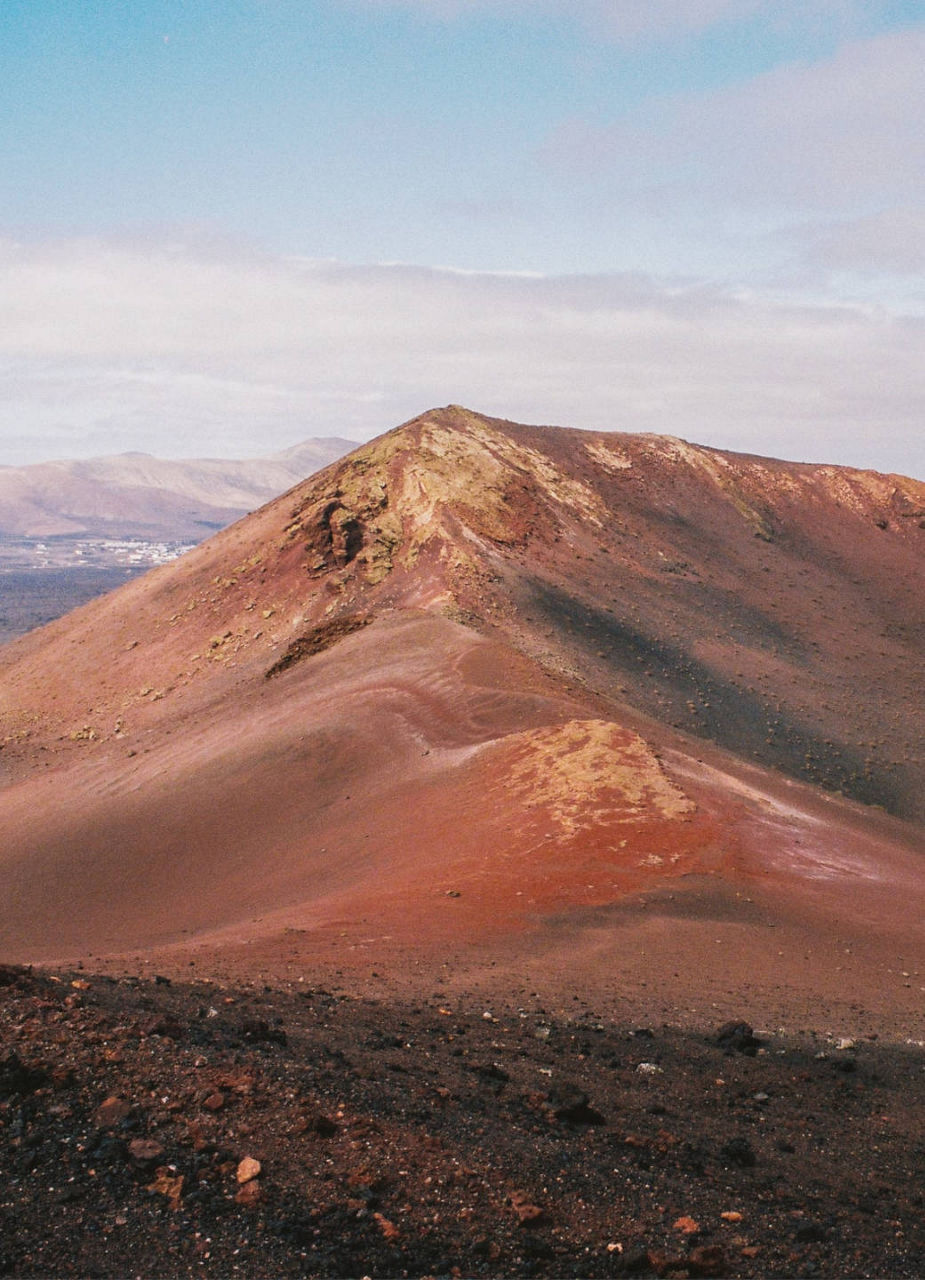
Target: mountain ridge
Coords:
[(539, 671), (138, 494)]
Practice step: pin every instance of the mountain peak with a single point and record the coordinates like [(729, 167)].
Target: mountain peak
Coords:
[(493, 625)]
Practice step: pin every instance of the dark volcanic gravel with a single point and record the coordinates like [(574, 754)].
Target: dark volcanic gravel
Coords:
[(438, 1139)]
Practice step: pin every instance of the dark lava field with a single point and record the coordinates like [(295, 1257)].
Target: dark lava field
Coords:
[(152, 1127)]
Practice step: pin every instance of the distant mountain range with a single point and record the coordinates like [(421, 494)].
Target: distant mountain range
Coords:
[(135, 495)]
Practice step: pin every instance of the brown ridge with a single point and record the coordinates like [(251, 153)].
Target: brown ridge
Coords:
[(524, 675)]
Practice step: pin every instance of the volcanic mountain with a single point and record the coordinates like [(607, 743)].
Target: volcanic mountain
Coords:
[(580, 703)]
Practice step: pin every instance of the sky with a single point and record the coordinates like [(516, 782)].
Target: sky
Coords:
[(229, 225)]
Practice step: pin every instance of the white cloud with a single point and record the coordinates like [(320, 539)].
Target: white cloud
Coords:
[(890, 242), (108, 348), (823, 136)]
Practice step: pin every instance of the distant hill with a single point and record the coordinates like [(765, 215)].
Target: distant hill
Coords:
[(135, 495)]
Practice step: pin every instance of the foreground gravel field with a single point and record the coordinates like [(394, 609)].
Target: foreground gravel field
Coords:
[(153, 1127)]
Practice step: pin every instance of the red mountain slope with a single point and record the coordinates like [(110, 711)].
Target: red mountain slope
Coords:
[(473, 678)]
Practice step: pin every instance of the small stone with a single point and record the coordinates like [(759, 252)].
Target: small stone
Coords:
[(649, 1069), (528, 1213), (388, 1229), (248, 1170), (145, 1151), (112, 1112), (169, 1184), (669, 1265), (166, 1025), (259, 1031), (707, 1260), (214, 1102), (250, 1194), (492, 1071), (731, 1215), (571, 1104), (687, 1226), (196, 1136), (738, 1037)]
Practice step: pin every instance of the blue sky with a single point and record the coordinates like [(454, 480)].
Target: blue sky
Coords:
[(229, 224)]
